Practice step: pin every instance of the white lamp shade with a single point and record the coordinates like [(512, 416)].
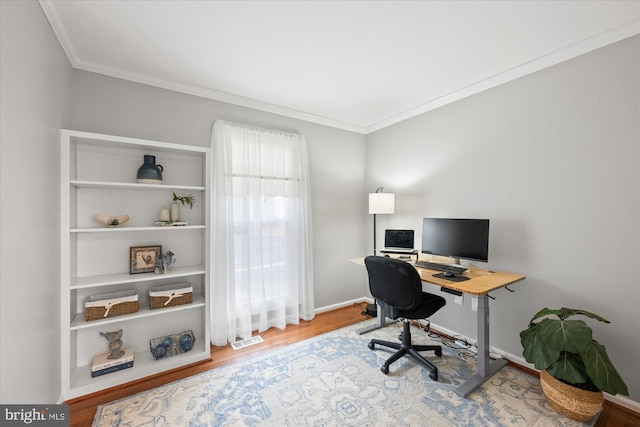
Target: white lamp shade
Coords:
[(382, 203)]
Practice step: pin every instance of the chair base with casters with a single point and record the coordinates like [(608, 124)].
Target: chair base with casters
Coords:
[(407, 348), (397, 288)]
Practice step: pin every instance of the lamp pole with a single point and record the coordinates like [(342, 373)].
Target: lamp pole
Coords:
[(374, 235)]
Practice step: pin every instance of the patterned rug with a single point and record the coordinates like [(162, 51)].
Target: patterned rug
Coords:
[(335, 380)]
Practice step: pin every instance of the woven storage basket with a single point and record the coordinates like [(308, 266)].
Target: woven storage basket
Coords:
[(110, 305), (572, 402), (170, 295)]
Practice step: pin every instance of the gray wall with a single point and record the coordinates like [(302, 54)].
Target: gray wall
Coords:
[(553, 159), (337, 170), (36, 84)]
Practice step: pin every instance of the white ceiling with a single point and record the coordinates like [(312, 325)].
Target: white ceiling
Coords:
[(355, 65)]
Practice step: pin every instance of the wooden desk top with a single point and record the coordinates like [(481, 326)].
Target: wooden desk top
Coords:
[(480, 281)]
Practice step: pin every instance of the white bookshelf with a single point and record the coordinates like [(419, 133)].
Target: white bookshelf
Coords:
[(98, 175)]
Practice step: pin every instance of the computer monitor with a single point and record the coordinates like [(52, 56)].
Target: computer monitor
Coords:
[(456, 238), (398, 239)]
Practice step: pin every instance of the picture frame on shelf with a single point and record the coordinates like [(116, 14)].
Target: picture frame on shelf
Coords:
[(142, 259)]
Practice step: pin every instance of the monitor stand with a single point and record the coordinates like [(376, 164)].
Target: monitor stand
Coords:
[(454, 278)]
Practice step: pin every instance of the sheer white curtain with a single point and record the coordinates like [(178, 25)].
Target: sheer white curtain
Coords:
[(261, 267)]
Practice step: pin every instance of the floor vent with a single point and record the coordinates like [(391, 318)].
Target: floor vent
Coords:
[(246, 343)]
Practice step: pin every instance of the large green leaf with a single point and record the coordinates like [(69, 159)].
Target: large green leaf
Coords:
[(568, 367), (534, 350), (544, 312), (564, 312), (601, 370), (565, 335)]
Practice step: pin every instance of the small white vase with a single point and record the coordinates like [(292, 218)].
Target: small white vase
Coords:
[(175, 212), (164, 214)]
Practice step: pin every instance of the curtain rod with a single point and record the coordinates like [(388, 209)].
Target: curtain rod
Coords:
[(258, 128)]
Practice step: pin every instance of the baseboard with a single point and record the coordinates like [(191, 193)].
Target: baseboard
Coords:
[(343, 304), (624, 402)]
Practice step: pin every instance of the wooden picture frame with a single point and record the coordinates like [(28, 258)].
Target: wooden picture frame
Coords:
[(142, 259)]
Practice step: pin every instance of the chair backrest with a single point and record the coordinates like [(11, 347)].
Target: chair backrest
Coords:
[(394, 282)]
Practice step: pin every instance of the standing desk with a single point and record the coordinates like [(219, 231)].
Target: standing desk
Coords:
[(480, 283)]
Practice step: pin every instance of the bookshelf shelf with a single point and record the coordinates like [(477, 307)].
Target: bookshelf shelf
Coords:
[(98, 175)]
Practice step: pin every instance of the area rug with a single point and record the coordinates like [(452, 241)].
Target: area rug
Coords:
[(334, 379)]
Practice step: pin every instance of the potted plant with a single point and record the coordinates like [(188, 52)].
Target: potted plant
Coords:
[(175, 208), (574, 368), (185, 200)]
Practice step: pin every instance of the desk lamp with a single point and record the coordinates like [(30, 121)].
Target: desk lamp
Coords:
[(380, 203)]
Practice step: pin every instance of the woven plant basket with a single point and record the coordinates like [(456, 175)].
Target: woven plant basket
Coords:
[(572, 402)]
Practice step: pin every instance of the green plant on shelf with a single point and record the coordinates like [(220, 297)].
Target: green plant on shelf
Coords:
[(185, 200)]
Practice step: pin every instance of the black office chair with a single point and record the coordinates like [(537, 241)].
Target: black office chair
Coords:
[(397, 287)]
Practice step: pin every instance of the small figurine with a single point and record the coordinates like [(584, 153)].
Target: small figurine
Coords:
[(115, 343), (167, 260), (159, 268)]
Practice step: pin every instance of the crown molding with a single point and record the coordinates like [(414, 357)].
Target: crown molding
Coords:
[(51, 11), (216, 95), (589, 44), (597, 41)]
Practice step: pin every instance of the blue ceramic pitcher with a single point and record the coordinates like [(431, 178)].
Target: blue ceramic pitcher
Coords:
[(149, 172)]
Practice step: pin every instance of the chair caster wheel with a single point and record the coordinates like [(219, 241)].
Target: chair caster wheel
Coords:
[(433, 376), (371, 345), (439, 353), (385, 369)]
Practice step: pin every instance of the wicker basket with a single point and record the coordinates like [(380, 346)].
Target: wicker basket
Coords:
[(572, 402), (170, 295), (110, 305)]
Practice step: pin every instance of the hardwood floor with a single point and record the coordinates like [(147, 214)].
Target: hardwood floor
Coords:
[(614, 415), (83, 409)]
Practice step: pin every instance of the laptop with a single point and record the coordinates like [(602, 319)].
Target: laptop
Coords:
[(398, 242)]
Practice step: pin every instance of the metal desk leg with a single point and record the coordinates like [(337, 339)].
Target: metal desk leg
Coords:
[(381, 323), (486, 367)]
